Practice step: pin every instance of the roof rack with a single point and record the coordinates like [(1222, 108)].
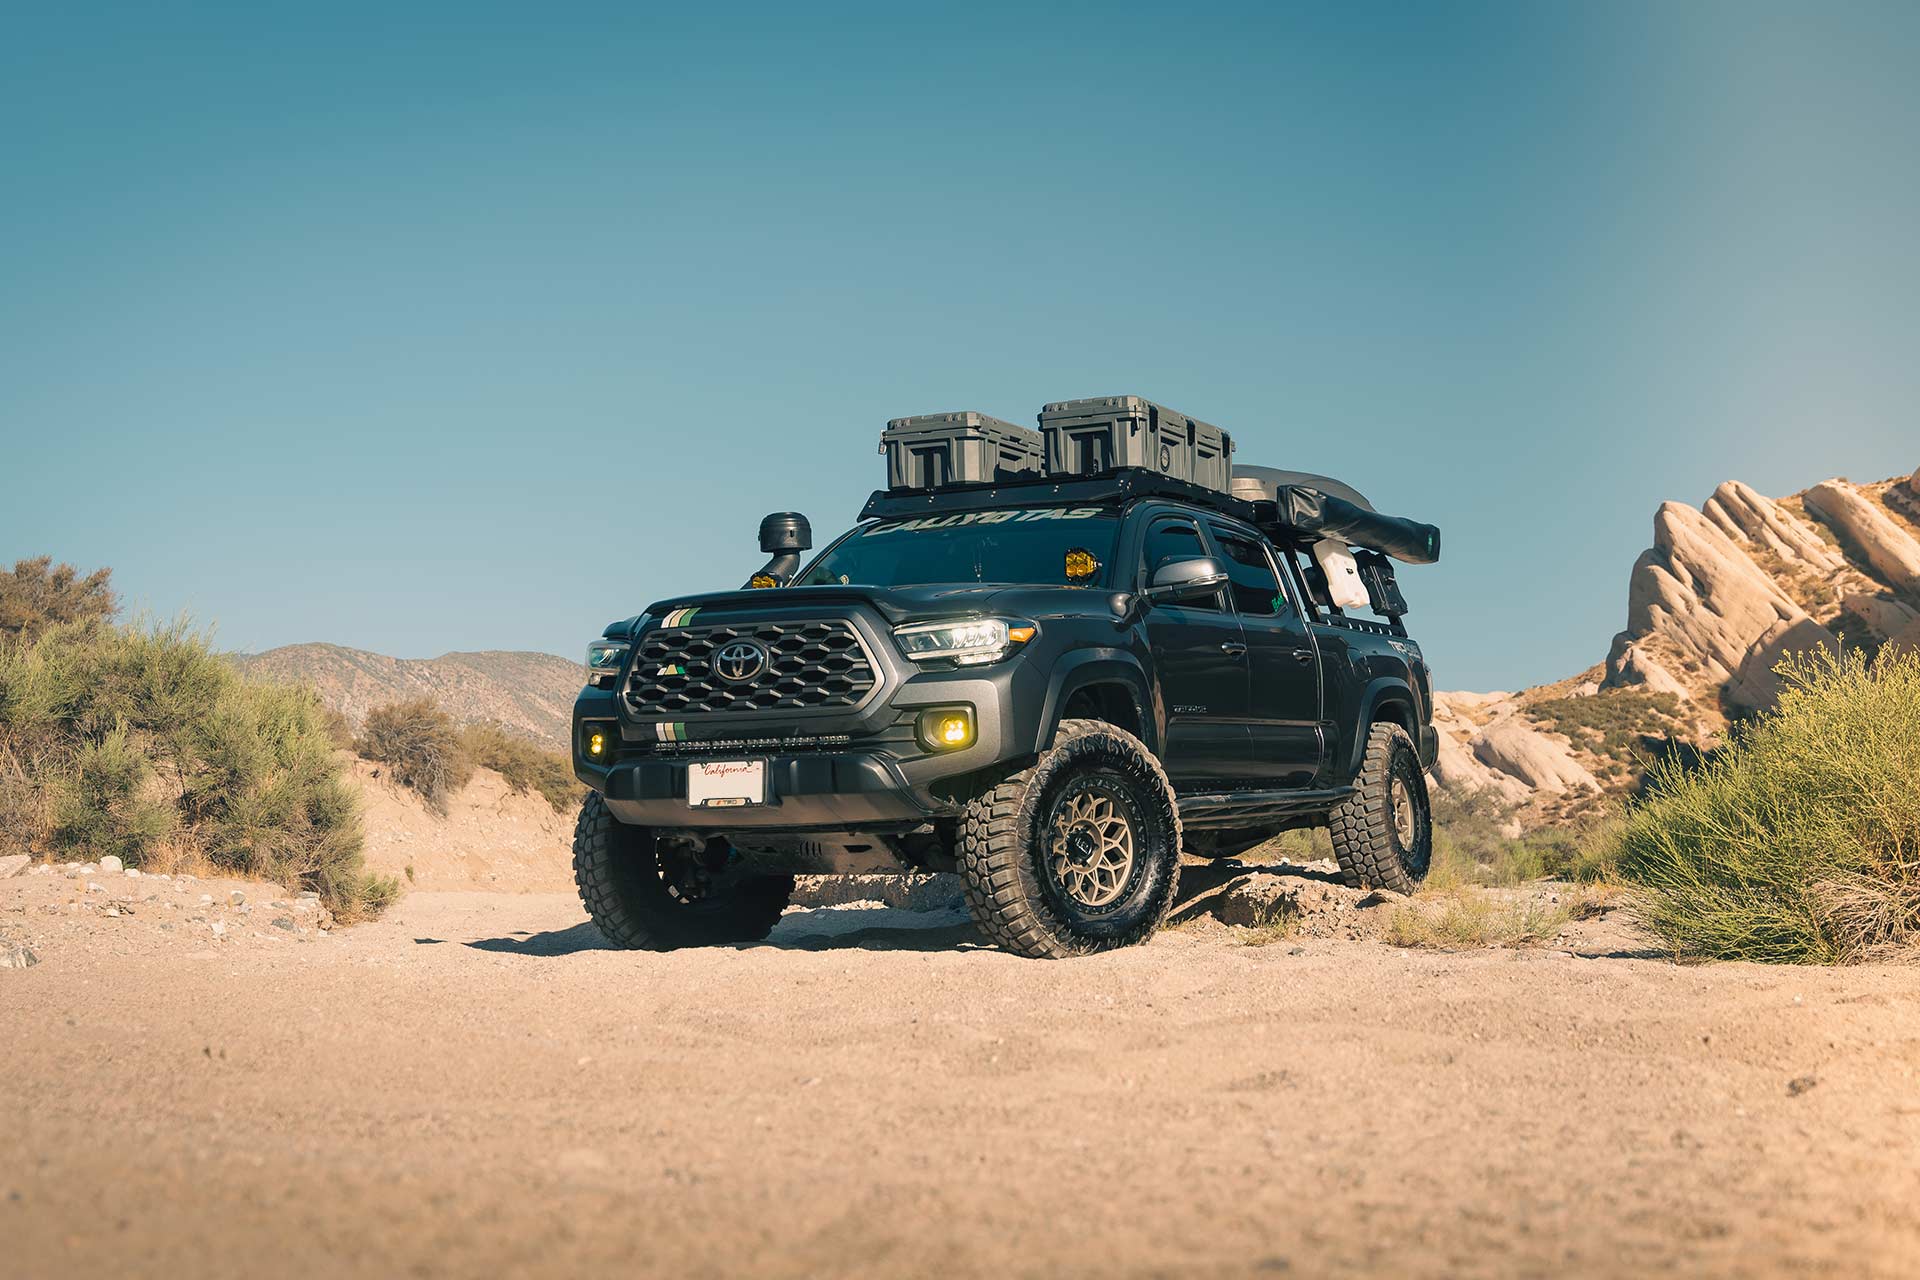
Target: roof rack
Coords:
[(1122, 484)]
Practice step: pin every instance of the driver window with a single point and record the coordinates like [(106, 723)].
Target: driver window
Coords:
[(1175, 539)]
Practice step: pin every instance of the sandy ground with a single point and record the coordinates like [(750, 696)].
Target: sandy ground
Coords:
[(475, 1086)]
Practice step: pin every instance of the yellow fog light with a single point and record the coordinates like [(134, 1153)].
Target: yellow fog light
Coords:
[(1081, 564), (597, 745), (946, 728)]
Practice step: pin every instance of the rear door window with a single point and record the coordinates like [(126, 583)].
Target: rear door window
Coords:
[(1256, 588)]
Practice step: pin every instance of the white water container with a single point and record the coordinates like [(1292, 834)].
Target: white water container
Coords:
[(1344, 586)]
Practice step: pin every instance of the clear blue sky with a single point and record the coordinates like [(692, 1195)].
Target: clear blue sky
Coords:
[(474, 327)]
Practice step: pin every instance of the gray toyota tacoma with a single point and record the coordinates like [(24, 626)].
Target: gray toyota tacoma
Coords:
[(1047, 661)]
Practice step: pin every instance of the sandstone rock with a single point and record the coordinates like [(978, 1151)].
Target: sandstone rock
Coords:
[(13, 864), (1907, 640), (1755, 687), (1750, 517), (236, 898), (1630, 664), (1886, 616), (1542, 761), (15, 955), (111, 865), (1458, 770), (1891, 550), (1698, 590)]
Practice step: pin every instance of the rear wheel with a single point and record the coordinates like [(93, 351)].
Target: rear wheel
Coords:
[(1079, 853), (1383, 833), (646, 893)]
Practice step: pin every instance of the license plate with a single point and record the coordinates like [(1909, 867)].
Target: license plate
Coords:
[(726, 784)]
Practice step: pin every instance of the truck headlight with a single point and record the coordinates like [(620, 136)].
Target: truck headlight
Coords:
[(968, 643), (604, 659)]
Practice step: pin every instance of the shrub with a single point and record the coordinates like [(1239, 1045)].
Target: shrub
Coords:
[(421, 746), (37, 595), (425, 750), (1619, 725), (1800, 840), (525, 765), (1471, 847), (141, 741)]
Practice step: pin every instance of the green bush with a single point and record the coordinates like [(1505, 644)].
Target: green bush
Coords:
[(38, 595), (421, 747), (1470, 847), (525, 765), (425, 750), (142, 742), (1800, 840), (1618, 724)]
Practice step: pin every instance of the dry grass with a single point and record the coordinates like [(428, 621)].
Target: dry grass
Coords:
[(1476, 917)]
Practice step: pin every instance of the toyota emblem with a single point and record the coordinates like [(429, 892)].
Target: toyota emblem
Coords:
[(739, 662)]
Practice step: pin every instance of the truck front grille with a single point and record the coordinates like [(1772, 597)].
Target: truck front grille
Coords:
[(802, 666)]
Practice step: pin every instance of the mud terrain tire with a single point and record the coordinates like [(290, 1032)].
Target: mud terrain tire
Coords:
[(618, 870), (1080, 852), (1383, 833)]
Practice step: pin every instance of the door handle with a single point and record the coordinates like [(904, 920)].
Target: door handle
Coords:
[(1233, 648), (1303, 656)]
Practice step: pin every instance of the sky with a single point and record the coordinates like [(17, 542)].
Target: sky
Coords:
[(431, 327)]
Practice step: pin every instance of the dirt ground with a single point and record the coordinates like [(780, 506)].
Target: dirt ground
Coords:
[(474, 1085)]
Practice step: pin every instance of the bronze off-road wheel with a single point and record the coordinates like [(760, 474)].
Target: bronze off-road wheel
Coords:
[(1383, 833), (1079, 853), (647, 894)]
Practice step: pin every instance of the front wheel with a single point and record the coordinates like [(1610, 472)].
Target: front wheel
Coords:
[(650, 894), (1079, 853), (1383, 833)]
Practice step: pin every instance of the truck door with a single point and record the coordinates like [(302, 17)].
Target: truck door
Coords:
[(1199, 658), (1283, 667)]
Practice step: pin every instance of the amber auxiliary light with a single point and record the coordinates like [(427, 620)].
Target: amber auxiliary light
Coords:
[(945, 728)]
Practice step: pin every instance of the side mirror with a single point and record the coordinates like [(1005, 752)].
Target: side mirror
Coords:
[(1188, 579), (783, 535)]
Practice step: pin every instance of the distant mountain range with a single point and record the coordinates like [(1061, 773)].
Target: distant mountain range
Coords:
[(527, 693)]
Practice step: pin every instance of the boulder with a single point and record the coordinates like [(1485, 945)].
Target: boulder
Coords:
[(1753, 519), (1891, 550), (13, 864), (1543, 761)]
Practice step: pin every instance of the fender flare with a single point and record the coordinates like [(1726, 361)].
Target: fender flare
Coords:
[(1083, 667), (1380, 693)]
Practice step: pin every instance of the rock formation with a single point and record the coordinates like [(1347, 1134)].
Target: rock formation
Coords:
[(1698, 599), (1723, 595), (1891, 550)]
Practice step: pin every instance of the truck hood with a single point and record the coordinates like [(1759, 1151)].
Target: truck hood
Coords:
[(905, 604)]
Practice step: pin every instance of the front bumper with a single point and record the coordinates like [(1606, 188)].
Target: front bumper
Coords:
[(841, 791)]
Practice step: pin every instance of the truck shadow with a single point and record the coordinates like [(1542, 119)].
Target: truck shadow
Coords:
[(807, 929), (876, 928)]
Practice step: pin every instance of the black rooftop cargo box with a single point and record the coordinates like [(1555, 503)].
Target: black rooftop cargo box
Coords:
[(1086, 437), (937, 449)]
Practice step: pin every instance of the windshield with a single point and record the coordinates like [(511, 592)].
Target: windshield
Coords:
[(1020, 546)]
